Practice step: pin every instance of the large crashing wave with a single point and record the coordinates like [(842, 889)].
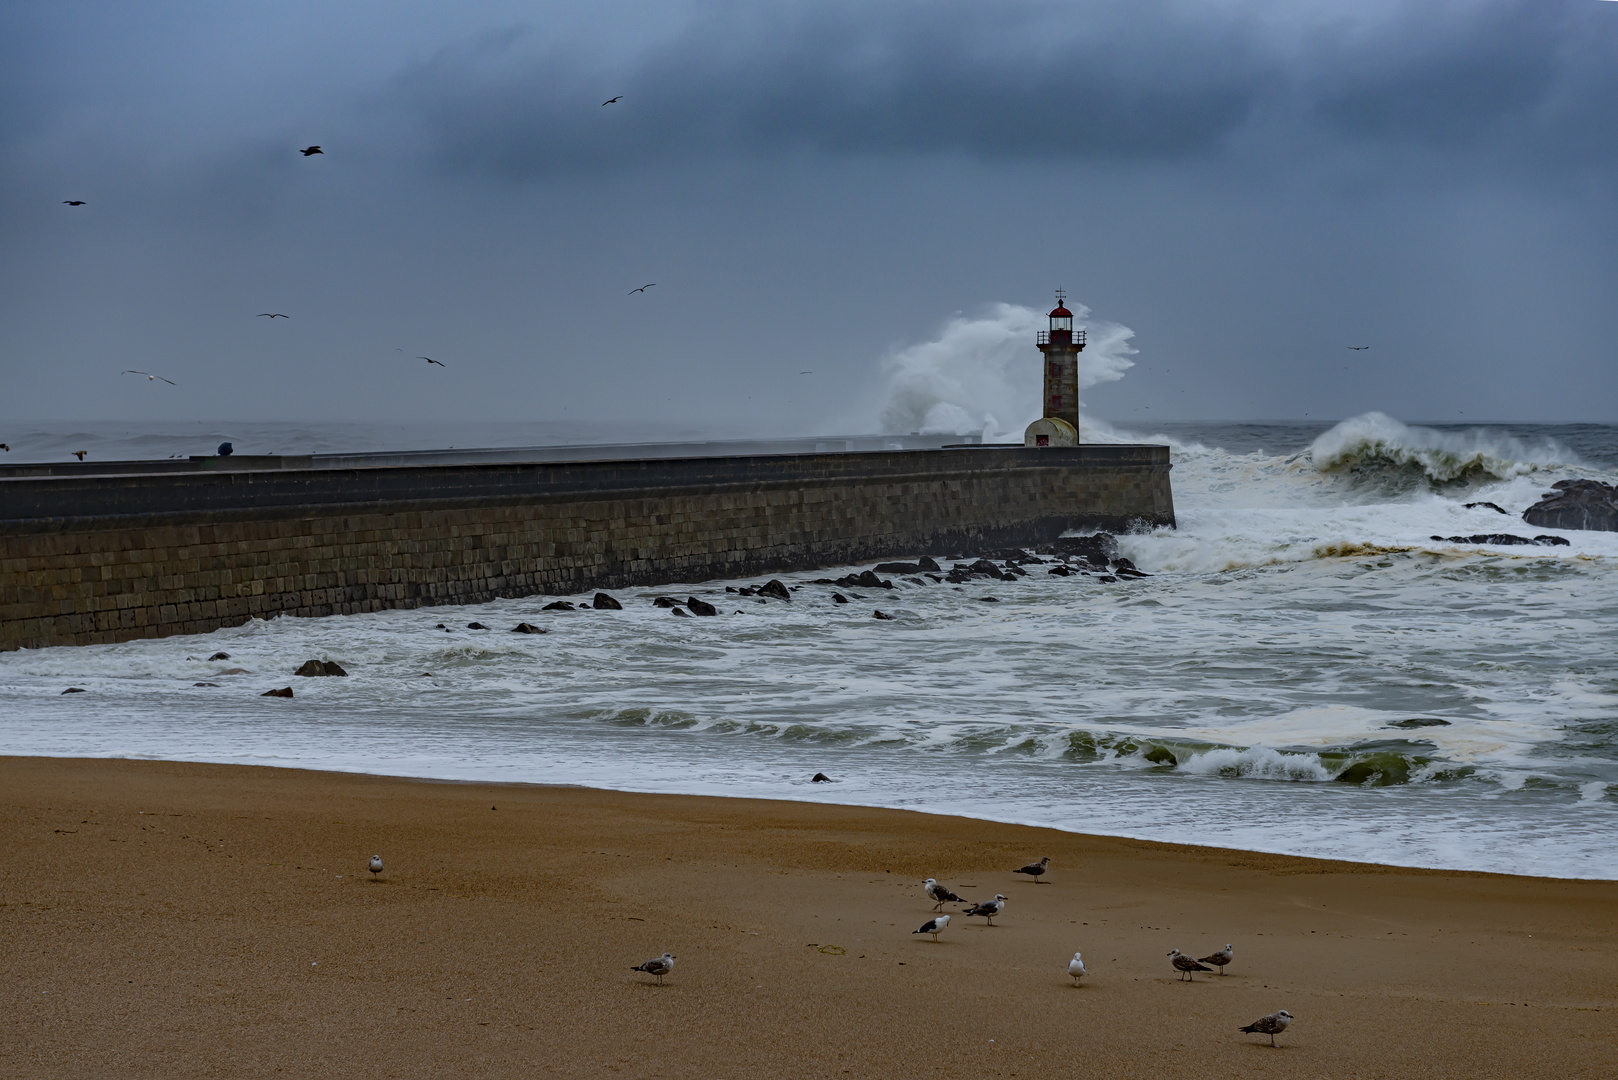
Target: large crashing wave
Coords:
[(1375, 443), (982, 374)]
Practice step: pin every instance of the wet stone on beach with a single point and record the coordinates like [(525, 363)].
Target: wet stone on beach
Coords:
[(700, 607), (603, 602)]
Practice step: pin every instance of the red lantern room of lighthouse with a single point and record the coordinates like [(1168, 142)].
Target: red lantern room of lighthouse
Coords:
[(1061, 345)]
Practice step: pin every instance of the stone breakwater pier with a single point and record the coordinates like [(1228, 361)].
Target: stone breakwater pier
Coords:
[(93, 554)]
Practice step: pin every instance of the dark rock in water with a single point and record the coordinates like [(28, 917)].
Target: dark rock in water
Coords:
[(897, 568), (774, 588), (1098, 561), (866, 580), (603, 602), (1124, 571), (1122, 564), (936, 578), (838, 598), (220, 656), (857, 596), (1107, 578), (476, 626), (1102, 544), (820, 778), (74, 690), (311, 668), (1059, 571), (1503, 539), (285, 691), (880, 615), (665, 601), (1419, 722), (747, 590), (915, 581), (989, 599), (559, 605), (928, 564), (730, 588), (526, 628), (234, 671), (1486, 505), (823, 581), (680, 611), (987, 568), (700, 607), (213, 684), (442, 627), (1577, 504), (333, 669)]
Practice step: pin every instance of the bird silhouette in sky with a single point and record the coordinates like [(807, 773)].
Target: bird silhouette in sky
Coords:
[(643, 288), (150, 377), (311, 151), (5, 447), (1359, 348), (612, 101), (80, 454), (430, 360), (805, 373), (268, 315), (74, 202)]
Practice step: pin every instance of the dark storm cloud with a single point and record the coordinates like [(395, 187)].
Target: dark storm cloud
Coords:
[(1033, 80)]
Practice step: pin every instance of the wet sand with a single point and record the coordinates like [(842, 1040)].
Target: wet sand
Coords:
[(161, 919)]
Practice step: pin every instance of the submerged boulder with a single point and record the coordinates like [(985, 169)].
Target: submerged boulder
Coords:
[(559, 605), (526, 628), (665, 601), (774, 588), (333, 669), (476, 626), (700, 607), (220, 656), (311, 668), (285, 691), (1576, 504), (603, 602)]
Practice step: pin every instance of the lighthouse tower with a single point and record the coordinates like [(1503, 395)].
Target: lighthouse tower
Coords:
[(1061, 345)]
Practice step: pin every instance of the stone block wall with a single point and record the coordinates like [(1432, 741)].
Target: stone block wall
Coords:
[(98, 559)]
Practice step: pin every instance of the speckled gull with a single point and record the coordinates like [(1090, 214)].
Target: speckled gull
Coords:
[(1220, 958), (941, 895), (1185, 965), (1271, 1025), (658, 966)]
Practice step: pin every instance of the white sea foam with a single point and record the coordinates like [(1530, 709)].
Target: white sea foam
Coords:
[(1377, 440)]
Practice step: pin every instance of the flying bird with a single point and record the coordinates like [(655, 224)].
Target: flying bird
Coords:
[(1359, 348), (1220, 958), (1271, 1025), (430, 360), (988, 909), (4, 447), (658, 965), (612, 101), (938, 893), (80, 454), (1185, 965), (1075, 968), (643, 288), (1035, 870), (376, 864), (311, 151), (150, 377), (933, 926), (272, 315), (805, 373), (74, 202)]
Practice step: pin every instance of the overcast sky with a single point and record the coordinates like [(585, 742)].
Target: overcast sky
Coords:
[(1249, 187)]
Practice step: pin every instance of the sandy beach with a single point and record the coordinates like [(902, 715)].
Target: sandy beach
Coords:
[(166, 919)]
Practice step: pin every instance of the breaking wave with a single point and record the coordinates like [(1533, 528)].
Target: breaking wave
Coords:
[(1377, 446)]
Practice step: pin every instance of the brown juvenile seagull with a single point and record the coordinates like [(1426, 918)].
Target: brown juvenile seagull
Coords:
[(1185, 965), (310, 151), (74, 202), (1220, 958), (643, 288), (1271, 1025), (430, 360), (1035, 870), (150, 377)]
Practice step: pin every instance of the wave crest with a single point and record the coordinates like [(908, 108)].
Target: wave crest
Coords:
[(1376, 444)]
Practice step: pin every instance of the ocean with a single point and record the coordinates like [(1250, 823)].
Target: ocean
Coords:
[(1304, 671)]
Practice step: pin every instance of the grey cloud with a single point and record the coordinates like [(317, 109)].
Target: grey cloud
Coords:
[(1034, 80)]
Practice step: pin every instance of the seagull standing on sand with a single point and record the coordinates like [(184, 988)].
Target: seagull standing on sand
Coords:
[(658, 965), (1075, 967), (941, 895), (1035, 870), (1271, 1025), (376, 864), (1185, 965), (988, 909), (933, 926), (1220, 958)]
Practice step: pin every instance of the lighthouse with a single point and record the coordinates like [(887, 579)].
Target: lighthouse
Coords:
[(1061, 345)]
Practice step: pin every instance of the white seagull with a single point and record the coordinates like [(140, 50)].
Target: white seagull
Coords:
[(658, 965), (938, 893), (934, 926), (1220, 958), (1271, 1025), (1075, 967), (1185, 965), (376, 864), (989, 908)]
